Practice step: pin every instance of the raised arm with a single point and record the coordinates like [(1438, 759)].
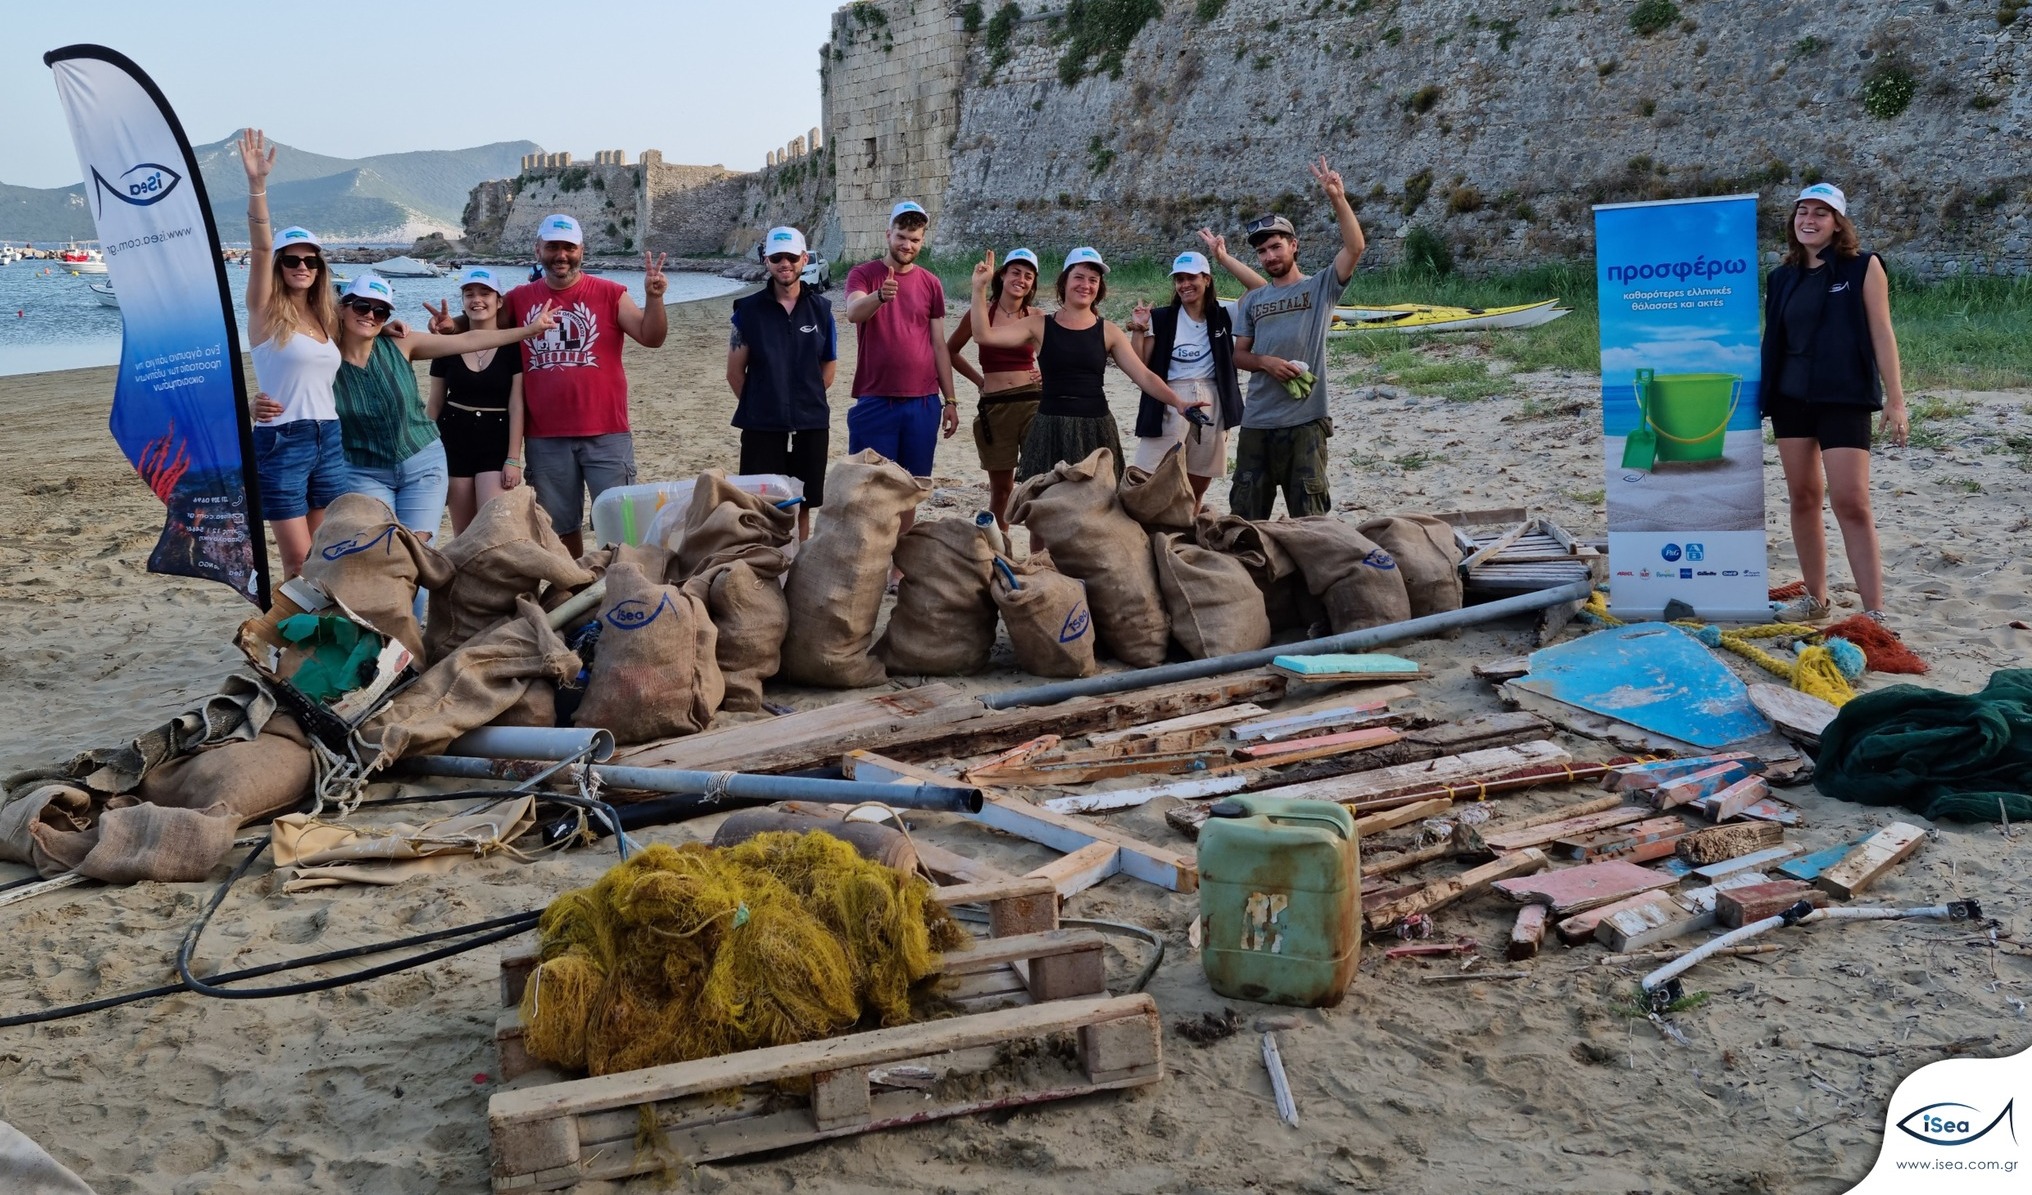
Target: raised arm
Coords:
[(1125, 355), (961, 334), (429, 346), (1140, 340), (647, 325), (1217, 248), (863, 304), (1012, 335), (257, 158), (1353, 243), (1897, 425)]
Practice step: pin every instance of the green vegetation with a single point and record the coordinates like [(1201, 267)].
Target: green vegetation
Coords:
[(1464, 199), (1096, 33), (1963, 333), (1652, 15), (1099, 156), (2008, 10), (1422, 100), (1888, 91), (1807, 47), (1416, 188), (971, 17), (1207, 10), (1426, 254), (1000, 26)]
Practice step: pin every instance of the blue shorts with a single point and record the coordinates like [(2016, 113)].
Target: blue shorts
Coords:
[(302, 466), (903, 429)]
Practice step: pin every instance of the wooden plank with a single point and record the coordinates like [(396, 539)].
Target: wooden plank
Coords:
[(841, 1098), (1226, 716), (1773, 810), (1660, 919), (1581, 926), (1281, 725), (1507, 668), (953, 868), (1442, 893), (1477, 518), (1809, 867), (1798, 716), (1652, 773), (1291, 749), (1704, 783), (1730, 802), (1190, 789), (1717, 843), (1513, 840), (1738, 907), (809, 737), (1563, 813), (1751, 861), (1495, 546), (1407, 860), (1869, 860), (1048, 772), (993, 730), (1403, 815), (1652, 838), (1063, 832), (1575, 889), (1528, 933), (1082, 869)]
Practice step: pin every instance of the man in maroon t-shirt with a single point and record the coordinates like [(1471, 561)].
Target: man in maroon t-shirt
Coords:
[(575, 391), (902, 367)]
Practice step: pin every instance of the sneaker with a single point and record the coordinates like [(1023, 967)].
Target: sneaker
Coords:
[(1804, 608)]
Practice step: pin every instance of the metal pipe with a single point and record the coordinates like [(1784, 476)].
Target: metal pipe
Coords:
[(1414, 628), (534, 742), (582, 601), (729, 784)]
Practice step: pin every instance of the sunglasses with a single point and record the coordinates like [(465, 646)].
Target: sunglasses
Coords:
[(781, 257), (291, 261), (378, 312)]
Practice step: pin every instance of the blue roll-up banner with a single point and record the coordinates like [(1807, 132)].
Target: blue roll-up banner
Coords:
[(1683, 442), (180, 403)]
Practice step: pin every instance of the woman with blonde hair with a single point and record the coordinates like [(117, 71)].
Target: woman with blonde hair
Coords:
[(292, 326), (1830, 359)]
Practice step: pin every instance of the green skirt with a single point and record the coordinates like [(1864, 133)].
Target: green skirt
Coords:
[(1068, 438)]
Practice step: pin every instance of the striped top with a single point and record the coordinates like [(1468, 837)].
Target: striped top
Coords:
[(381, 416)]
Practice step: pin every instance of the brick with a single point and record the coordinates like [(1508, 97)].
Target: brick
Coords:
[(1738, 907)]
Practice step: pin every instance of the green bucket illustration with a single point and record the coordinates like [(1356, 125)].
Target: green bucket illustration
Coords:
[(1690, 412)]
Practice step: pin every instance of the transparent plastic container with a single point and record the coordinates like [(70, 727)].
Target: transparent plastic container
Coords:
[(628, 514)]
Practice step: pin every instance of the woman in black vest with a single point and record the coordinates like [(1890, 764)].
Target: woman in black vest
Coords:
[(1829, 360), (1190, 343)]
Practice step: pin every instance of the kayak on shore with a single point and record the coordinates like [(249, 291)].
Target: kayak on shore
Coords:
[(1421, 317)]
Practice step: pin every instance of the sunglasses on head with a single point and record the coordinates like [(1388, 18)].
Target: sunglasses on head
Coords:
[(378, 312), (292, 261)]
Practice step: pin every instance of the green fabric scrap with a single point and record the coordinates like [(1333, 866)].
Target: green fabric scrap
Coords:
[(1942, 755), (338, 657)]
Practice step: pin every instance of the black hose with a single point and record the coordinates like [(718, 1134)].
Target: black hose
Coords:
[(1118, 927)]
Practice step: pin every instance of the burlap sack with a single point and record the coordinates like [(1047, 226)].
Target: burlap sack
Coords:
[(836, 584), (1427, 556), (1289, 605), (1214, 605), (508, 551), (144, 842), (471, 686), (1358, 581), (372, 564), (654, 561), (654, 673), (249, 781), (62, 809), (1076, 511), (723, 517), (1050, 627), (943, 623), (745, 601), (1161, 499)]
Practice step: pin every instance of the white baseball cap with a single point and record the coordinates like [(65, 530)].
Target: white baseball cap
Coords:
[(560, 227), (782, 240), (1191, 263), (296, 238), (1826, 193), (1023, 255), (371, 286), (905, 208), (482, 276), (1085, 255)]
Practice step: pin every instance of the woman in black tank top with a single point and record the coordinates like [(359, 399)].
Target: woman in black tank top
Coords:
[(1074, 347)]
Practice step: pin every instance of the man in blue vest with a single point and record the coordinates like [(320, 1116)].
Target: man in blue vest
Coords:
[(780, 361)]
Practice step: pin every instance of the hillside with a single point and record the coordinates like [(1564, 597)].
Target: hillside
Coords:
[(387, 197)]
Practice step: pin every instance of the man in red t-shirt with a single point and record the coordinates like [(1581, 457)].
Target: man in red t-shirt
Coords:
[(574, 390), (902, 367)]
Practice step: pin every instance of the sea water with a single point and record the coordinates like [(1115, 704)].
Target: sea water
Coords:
[(50, 319)]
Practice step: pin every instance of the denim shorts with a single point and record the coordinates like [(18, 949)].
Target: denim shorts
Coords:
[(903, 429), (562, 468), (415, 489), (301, 465)]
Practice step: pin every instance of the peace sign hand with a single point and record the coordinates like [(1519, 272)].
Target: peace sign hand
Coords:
[(1216, 244), (440, 318), (1139, 318), (1328, 178), (654, 282), (984, 269), (542, 320), (257, 157)]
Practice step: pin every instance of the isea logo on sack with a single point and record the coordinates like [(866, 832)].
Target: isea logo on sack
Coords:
[(1952, 1126)]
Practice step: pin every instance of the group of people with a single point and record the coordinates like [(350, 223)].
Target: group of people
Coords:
[(1040, 375), (340, 411)]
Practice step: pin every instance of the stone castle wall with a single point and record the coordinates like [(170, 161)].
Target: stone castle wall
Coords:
[(1493, 126)]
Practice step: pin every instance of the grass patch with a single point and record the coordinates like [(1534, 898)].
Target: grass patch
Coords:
[(1588, 497), (1928, 416), (1967, 485), (1411, 462)]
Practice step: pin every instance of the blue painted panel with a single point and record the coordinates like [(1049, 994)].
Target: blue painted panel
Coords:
[(1651, 675)]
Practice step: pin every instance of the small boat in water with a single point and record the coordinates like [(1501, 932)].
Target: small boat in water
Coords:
[(1419, 317), (9, 255), (82, 261), (406, 267), (105, 293)]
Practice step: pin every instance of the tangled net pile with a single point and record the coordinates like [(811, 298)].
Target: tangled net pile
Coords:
[(693, 951)]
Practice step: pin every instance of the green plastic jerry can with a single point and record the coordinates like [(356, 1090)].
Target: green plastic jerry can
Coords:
[(1280, 900)]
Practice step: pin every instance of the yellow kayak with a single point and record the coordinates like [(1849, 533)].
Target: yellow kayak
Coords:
[(1420, 317)]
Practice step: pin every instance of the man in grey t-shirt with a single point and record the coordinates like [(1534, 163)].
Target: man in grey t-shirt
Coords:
[(1283, 439)]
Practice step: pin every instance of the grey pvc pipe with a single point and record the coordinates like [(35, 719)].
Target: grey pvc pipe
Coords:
[(534, 742), (1414, 628), (732, 784)]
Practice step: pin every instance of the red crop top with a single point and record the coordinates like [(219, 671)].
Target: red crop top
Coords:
[(1001, 360)]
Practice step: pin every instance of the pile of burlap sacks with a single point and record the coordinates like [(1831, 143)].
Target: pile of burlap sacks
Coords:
[(1128, 570)]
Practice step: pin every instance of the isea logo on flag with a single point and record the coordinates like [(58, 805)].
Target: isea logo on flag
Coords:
[(148, 183)]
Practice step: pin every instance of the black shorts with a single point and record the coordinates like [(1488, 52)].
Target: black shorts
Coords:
[(795, 454), (475, 442), (1835, 425)]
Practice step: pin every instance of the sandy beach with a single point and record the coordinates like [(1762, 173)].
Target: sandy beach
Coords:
[(1534, 1084)]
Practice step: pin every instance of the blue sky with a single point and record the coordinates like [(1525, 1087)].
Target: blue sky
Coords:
[(702, 80)]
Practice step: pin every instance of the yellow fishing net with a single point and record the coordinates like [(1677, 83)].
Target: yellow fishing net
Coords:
[(1815, 672), (693, 951)]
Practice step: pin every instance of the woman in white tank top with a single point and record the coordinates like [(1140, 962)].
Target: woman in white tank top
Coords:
[(291, 317)]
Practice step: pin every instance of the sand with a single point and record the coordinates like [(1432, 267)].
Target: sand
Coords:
[(1536, 1084)]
